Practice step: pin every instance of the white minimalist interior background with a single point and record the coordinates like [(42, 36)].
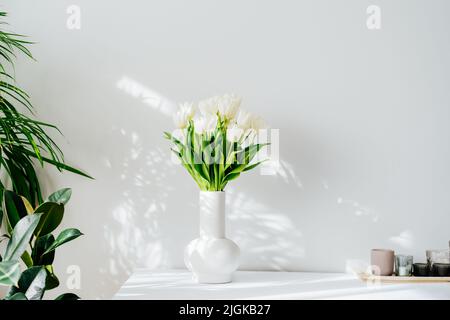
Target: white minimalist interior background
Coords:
[(363, 118)]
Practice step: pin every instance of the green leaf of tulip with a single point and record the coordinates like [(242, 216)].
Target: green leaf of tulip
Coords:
[(9, 273), (65, 236), (21, 235), (250, 167), (61, 196), (217, 145)]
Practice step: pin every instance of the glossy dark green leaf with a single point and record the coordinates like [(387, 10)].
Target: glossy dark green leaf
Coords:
[(9, 273), (21, 235), (65, 236), (61, 196), (14, 207), (22, 173), (18, 296), (68, 296), (40, 258), (31, 284), (51, 281), (52, 215)]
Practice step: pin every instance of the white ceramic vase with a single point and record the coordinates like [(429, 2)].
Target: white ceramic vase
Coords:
[(212, 258)]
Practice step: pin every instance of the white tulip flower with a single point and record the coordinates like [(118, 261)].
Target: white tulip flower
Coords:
[(184, 114), (205, 124), (234, 133), (244, 120), (258, 123), (228, 106), (209, 106)]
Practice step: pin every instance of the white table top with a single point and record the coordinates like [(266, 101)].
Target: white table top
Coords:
[(178, 285)]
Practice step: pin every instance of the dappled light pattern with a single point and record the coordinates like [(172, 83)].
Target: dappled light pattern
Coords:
[(286, 172), (358, 209), (135, 232), (267, 238), (135, 236), (146, 95)]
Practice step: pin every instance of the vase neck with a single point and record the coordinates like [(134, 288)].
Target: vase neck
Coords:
[(212, 214)]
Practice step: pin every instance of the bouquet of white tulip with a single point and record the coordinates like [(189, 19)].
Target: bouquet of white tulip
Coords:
[(217, 143)]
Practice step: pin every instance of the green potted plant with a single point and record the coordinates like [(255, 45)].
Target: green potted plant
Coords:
[(24, 141), (30, 239), (30, 221)]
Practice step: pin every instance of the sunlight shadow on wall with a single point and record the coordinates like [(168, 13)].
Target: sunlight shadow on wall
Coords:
[(137, 173), (359, 210), (267, 238), (285, 171), (146, 95), (134, 236)]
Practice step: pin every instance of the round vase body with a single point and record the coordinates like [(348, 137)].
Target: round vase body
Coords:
[(212, 258)]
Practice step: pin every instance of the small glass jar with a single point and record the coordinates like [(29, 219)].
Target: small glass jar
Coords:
[(437, 256), (403, 265)]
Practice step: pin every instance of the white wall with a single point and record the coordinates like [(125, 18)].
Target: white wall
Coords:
[(363, 118)]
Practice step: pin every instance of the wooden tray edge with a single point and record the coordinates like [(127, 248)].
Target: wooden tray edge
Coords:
[(394, 279)]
